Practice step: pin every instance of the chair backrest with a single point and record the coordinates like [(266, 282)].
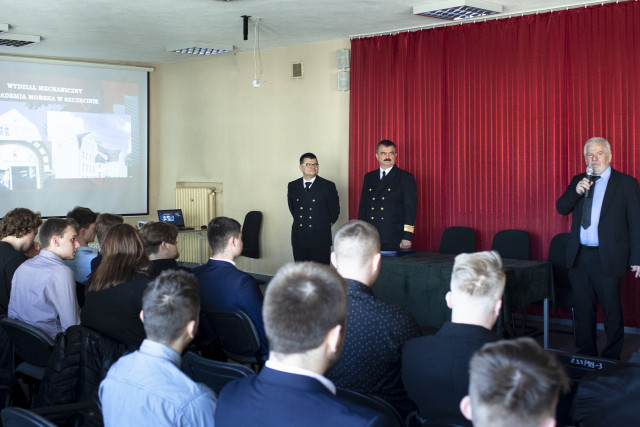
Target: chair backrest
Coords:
[(212, 373), (20, 417), (236, 333), (558, 259), (32, 344), (512, 244), (373, 402), (457, 240), (251, 234)]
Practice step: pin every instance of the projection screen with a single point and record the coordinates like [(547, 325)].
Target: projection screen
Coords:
[(73, 136)]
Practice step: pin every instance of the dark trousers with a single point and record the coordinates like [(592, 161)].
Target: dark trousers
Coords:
[(321, 255), (590, 284)]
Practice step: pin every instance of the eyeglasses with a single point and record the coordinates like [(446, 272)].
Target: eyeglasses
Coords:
[(311, 165)]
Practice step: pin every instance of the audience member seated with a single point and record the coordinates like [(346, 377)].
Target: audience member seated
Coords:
[(18, 231), (224, 287), (43, 289), (114, 298), (161, 244), (376, 330), (435, 368), (609, 397), (147, 387), (104, 222), (81, 264), (305, 313), (514, 383)]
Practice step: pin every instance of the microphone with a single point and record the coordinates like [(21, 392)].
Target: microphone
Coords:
[(587, 192)]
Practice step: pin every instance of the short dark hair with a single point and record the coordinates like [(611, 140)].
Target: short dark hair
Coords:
[(104, 222), (19, 222), (154, 233), (514, 382), (53, 227), (307, 156), (83, 216), (170, 302), (220, 230), (386, 143), (304, 301)]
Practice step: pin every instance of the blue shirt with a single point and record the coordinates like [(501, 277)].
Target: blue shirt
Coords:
[(81, 264), (43, 294), (147, 388), (589, 236)]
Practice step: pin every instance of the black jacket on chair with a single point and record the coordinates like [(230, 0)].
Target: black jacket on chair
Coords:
[(81, 359)]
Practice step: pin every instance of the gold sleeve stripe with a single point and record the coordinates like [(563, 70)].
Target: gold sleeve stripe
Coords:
[(409, 228)]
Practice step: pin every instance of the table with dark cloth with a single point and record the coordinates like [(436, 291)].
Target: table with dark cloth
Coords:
[(419, 283)]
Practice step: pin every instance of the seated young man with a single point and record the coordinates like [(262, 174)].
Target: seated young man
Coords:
[(18, 230), (161, 245), (435, 367), (305, 313), (43, 289), (224, 287), (376, 330), (148, 387), (81, 264), (514, 383)]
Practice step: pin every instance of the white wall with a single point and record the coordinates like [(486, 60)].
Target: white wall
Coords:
[(208, 124)]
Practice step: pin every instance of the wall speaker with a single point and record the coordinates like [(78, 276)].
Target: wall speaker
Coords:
[(343, 80), (344, 58)]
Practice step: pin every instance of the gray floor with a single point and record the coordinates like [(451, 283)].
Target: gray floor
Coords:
[(561, 336)]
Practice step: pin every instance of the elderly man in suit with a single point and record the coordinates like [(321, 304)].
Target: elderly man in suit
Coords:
[(224, 287), (604, 242), (388, 200), (305, 313), (315, 207)]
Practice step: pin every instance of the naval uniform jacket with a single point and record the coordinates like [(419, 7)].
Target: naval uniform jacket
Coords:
[(390, 205), (314, 212)]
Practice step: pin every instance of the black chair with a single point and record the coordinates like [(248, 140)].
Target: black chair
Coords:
[(213, 373), (32, 345), (20, 417), (562, 287), (512, 244), (372, 402), (457, 240), (236, 334), (251, 234)]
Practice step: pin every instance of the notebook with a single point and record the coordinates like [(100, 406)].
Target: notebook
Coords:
[(173, 217)]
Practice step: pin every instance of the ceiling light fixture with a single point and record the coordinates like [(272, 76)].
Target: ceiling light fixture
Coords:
[(4, 28), (200, 48), (17, 40), (454, 10)]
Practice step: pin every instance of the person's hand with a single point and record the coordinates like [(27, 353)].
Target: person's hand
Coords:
[(584, 184), (636, 269), (33, 250), (405, 244)]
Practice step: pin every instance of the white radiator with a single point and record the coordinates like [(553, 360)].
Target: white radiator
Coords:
[(198, 206)]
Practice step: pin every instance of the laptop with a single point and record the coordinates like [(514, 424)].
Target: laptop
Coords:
[(173, 217)]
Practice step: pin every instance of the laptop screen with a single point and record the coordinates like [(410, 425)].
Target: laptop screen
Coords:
[(171, 216)]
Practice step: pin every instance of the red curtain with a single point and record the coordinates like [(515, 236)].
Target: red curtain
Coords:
[(491, 117)]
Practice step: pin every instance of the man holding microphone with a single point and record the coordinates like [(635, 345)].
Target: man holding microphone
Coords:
[(604, 243)]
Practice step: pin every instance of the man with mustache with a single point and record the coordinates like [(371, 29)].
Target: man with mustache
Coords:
[(388, 200)]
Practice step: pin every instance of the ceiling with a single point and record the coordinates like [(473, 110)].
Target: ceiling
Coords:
[(138, 31)]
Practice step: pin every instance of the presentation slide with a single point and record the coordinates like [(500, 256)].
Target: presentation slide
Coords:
[(73, 136)]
